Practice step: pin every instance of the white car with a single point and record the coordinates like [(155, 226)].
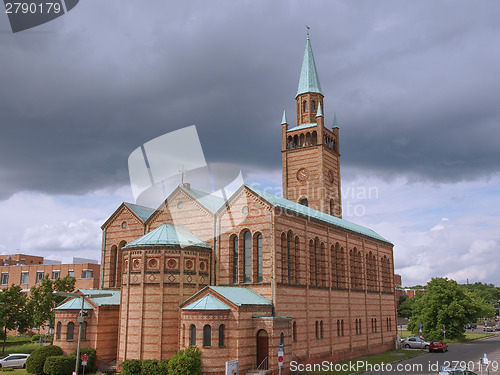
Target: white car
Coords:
[(14, 360), (415, 342)]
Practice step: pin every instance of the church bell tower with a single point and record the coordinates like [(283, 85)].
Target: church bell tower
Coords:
[(310, 151)]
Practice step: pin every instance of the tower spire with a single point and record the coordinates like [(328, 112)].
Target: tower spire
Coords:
[(319, 113), (283, 120), (309, 80), (335, 124)]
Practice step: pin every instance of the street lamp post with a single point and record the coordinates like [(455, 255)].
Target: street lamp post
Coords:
[(80, 318)]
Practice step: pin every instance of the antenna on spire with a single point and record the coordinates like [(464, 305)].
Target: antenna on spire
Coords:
[(308, 28)]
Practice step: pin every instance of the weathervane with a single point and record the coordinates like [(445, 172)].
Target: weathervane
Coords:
[(308, 28)]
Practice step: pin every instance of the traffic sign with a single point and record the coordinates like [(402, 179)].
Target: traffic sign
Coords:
[(280, 358), (85, 357)]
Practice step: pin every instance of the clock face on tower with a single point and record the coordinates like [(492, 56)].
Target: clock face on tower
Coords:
[(302, 174)]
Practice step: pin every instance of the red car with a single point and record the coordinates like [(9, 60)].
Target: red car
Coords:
[(438, 346)]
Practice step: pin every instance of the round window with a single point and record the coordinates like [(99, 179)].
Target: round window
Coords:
[(180, 205), (124, 224)]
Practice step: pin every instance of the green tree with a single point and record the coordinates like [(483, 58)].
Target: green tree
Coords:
[(445, 304), (42, 301), (406, 307), (14, 314)]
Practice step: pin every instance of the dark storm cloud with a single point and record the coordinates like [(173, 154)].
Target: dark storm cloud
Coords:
[(415, 86)]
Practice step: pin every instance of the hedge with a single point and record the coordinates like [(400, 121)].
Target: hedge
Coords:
[(90, 362), (36, 361), (59, 365), (131, 367), (185, 362)]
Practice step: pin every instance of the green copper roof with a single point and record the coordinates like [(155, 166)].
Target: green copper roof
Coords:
[(335, 124), (315, 214), (113, 300), (168, 235), (207, 302), (141, 212), (209, 201), (74, 304), (283, 120), (241, 295), (320, 111), (303, 126), (309, 81)]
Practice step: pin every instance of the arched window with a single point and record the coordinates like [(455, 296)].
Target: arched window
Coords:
[(183, 335), (312, 264), (297, 260), (313, 106), (235, 259), (294, 331), (284, 257), (317, 329), (71, 331), (332, 207), (360, 326), (114, 263), (192, 335), (207, 335), (314, 138), (304, 202), (221, 335), (338, 327), (260, 262), (321, 329), (84, 331), (289, 256), (247, 238), (304, 106), (282, 338), (58, 330), (342, 326)]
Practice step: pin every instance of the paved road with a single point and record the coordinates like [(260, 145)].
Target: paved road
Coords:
[(467, 354)]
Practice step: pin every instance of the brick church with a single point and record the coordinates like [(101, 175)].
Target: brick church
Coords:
[(239, 277)]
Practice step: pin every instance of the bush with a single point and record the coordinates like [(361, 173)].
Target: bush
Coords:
[(131, 367), (154, 367), (59, 365), (185, 362), (36, 361), (35, 338), (90, 362)]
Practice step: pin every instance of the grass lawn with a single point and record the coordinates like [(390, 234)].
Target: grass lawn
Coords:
[(346, 367), (16, 371)]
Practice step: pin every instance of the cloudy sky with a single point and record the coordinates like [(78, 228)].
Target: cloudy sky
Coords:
[(415, 85)]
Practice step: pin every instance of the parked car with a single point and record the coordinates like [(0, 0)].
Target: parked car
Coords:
[(456, 371), (497, 327), (438, 346), (415, 342), (470, 325), (489, 328), (14, 360)]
